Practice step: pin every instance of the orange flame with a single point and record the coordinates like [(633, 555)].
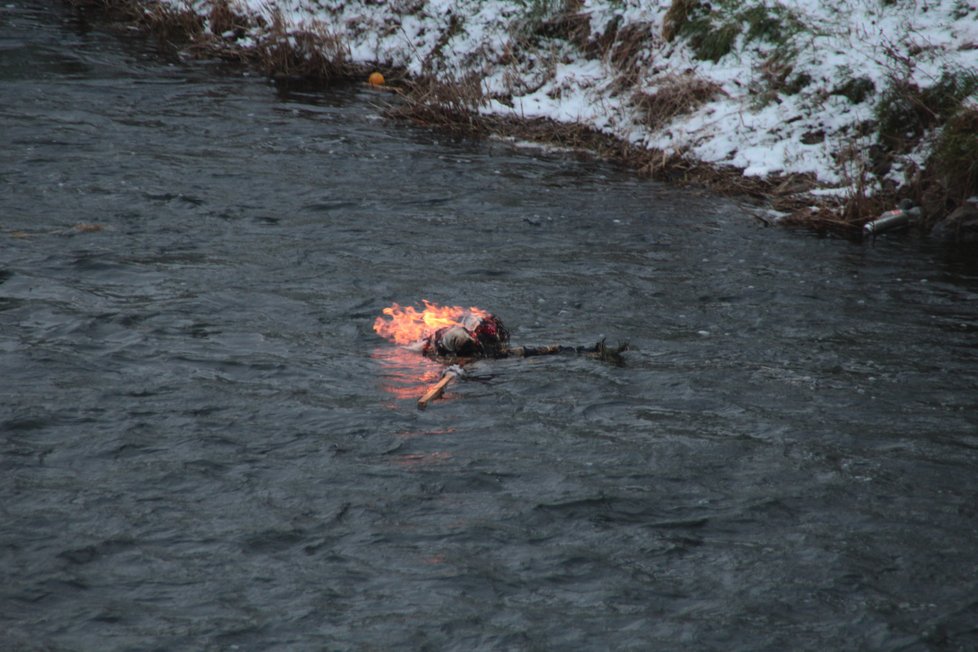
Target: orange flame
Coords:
[(408, 325)]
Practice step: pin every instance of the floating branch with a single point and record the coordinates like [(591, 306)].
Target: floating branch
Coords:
[(451, 373)]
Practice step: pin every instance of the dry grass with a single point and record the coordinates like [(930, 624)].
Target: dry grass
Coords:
[(629, 54), (453, 105), (170, 27), (223, 20), (569, 24), (676, 17), (314, 53), (824, 217), (676, 95), (600, 44), (862, 203)]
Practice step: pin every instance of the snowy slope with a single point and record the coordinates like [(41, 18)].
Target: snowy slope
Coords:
[(783, 103)]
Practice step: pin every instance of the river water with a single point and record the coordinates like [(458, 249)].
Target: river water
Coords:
[(204, 446)]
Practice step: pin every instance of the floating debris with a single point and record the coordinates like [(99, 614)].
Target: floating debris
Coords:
[(458, 335), (894, 220)]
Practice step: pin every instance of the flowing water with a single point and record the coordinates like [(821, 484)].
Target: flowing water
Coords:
[(204, 446)]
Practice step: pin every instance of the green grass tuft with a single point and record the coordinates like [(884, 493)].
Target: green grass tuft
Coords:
[(954, 159), (905, 111), (856, 89), (713, 42), (712, 29), (944, 98), (775, 24)]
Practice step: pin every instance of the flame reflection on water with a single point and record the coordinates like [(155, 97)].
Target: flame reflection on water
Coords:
[(434, 432), (404, 374)]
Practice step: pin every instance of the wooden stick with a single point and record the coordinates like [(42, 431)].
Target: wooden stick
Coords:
[(599, 351), (451, 373)]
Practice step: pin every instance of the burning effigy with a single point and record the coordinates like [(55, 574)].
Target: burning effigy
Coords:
[(457, 335), (445, 331)]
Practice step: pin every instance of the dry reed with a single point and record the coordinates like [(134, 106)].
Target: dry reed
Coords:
[(675, 95)]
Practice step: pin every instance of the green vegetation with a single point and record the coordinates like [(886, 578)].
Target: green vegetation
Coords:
[(712, 42), (945, 97), (905, 111), (856, 89), (535, 17), (954, 160), (713, 29), (772, 24), (537, 11)]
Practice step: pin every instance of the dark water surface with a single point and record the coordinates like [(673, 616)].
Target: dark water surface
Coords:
[(203, 445)]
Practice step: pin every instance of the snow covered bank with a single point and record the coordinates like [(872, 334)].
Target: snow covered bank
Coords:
[(843, 97)]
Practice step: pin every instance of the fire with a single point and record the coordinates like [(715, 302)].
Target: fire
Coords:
[(408, 325)]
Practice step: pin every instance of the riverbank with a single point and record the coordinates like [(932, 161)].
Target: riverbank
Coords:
[(830, 112)]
